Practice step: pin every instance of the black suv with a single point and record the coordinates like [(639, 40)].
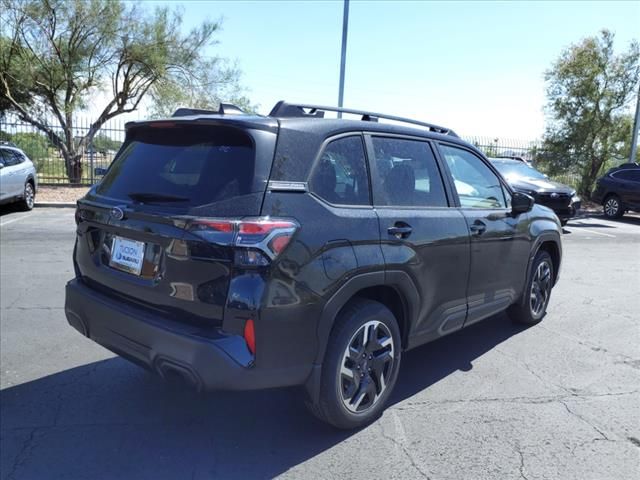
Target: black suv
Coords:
[(235, 251), (618, 190), (560, 198)]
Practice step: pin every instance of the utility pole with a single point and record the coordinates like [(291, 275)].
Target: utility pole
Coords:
[(343, 58), (636, 126)]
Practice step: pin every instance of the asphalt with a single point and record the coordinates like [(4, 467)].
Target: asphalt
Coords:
[(554, 401)]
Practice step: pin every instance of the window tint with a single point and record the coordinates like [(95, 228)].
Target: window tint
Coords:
[(507, 196), (408, 173), (341, 175), (196, 164), (476, 184), (10, 158), (633, 175), (19, 157)]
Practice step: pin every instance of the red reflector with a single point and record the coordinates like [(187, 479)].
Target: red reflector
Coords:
[(226, 227), (250, 336), (278, 244)]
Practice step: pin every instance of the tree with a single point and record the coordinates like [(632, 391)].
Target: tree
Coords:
[(56, 55), (590, 90), (102, 143), (34, 144), (219, 82)]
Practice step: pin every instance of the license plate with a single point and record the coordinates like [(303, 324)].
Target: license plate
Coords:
[(127, 255)]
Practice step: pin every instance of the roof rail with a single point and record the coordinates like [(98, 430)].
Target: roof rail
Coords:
[(225, 109), (283, 109)]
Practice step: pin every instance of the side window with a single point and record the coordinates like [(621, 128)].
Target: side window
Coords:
[(9, 158), (476, 184), (408, 172), (341, 175), (631, 175), (507, 196), (19, 157)]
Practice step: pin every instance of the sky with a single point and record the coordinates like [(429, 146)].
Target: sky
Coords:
[(476, 67)]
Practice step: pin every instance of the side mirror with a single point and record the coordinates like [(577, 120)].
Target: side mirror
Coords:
[(99, 171), (521, 203)]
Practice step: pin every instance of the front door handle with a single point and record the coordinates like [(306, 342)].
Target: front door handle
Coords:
[(400, 231), (477, 228)]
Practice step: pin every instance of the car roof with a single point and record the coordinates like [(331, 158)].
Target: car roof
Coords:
[(328, 126), (9, 147), (309, 119), (624, 166), (324, 127)]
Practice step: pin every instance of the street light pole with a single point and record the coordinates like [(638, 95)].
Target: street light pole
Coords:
[(343, 58), (636, 126)]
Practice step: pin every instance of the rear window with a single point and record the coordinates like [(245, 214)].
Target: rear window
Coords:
[(182, 166)]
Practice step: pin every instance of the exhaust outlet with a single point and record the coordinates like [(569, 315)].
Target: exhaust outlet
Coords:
[(175, 373)]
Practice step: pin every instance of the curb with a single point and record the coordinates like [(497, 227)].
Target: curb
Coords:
[(55, 205)]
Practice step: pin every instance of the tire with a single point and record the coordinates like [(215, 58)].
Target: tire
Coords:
[(612, 207), (347, 400), (532, 306), (28, 197)]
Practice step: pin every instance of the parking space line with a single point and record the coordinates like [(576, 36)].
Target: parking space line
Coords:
[(11, 220), (593, 231)]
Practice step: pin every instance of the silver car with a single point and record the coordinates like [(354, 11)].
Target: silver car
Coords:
[(18, 179)]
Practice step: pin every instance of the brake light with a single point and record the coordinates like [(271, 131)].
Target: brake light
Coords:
[(262, 227), (260, 240), (224, 227), (250, 336)]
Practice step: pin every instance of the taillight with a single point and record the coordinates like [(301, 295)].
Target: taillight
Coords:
[(260, 240)]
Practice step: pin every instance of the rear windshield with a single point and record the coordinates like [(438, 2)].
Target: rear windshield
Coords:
[(182, 166)]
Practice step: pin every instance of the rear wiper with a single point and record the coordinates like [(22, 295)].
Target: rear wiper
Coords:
[(149, 197)]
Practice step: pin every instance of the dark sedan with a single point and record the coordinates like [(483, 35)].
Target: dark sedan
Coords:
[(558, 197), (618, 190)]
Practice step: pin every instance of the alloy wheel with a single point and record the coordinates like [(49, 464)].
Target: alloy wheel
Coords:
[(611, 207), (366, 366), (540, 289), (28, 195)]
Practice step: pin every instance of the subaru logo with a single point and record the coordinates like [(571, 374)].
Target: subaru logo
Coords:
[(116, 213), (554, 195)]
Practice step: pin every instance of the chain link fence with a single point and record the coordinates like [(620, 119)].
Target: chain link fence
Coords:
[(51, 168)]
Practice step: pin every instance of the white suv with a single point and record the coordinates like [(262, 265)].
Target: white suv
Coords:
[(18, 179)]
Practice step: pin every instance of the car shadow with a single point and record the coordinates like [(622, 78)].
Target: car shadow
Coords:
[(589, 224), (9, 208), (628, 219), (594, 221), (111, 419)]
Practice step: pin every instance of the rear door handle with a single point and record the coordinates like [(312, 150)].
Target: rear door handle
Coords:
[(477, 228), (400, 231)]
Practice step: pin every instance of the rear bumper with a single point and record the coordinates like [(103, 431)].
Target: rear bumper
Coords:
[(209, 360)]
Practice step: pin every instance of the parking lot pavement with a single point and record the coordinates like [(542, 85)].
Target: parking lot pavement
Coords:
[(555, 401)]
